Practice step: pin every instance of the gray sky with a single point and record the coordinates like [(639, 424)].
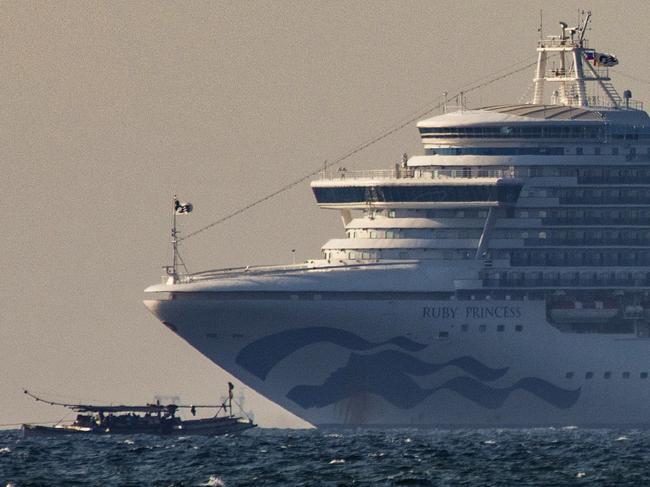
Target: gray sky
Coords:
[(109, 108)]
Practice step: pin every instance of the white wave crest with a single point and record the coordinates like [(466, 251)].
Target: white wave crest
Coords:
[(214, 481)]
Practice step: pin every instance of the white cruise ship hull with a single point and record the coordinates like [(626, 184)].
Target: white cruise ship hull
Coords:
[(502, 278), (385, 359)]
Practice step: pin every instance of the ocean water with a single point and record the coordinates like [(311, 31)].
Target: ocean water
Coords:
[(407, 457)]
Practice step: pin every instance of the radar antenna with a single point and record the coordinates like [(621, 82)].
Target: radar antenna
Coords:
[(578, 65)]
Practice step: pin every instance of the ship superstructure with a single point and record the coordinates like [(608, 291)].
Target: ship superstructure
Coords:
[(503, 277)]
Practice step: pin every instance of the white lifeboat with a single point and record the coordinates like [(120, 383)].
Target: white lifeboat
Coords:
[(569, 311)]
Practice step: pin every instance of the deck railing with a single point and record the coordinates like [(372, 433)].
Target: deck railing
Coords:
[(410, 173)]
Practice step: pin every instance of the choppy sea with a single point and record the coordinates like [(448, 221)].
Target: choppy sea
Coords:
[(545, 456)]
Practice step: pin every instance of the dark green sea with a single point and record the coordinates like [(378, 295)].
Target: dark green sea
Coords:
[(407, 457)]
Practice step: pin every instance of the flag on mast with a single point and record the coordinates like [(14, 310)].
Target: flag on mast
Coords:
[(182, 207), (230, 388)]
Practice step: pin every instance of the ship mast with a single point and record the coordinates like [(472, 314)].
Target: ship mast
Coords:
[(173, 272), (574, 69), (178, 208)]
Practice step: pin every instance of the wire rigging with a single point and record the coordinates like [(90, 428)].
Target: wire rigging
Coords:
[(387, 133)]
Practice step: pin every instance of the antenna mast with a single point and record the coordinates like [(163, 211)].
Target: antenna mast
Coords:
[(178, 208), (575, 68), (173, 273)]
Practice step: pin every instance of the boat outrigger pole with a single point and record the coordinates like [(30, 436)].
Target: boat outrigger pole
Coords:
[(151, 408)]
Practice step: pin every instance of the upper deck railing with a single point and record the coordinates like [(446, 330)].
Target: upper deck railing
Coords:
[(558, 41), (409, 173)]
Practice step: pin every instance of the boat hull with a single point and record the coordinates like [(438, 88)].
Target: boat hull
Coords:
[(360, 361), (202, 427)]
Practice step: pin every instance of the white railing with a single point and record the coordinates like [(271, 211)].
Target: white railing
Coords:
[(410, 173), (471, 174), (368, 174)]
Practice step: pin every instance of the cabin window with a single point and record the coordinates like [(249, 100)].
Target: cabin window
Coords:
[(644, 375), (589, 375), (464, 327), (614, 151), (597, 151), (626, 375), (501, 327), (443, 334), (391, 213), (519, 327), (579, 151), (482, 328), (569, 375), (607, 375)]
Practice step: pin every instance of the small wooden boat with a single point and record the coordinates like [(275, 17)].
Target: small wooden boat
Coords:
[(153, 419)]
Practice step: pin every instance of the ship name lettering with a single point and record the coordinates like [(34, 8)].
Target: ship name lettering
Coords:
[(439, 312), (499, 312)]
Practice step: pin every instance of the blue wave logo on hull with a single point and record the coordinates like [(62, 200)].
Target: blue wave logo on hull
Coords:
[(260, 356), (381, 375)]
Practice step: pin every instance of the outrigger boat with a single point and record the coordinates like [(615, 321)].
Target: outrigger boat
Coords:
[(153, 419)]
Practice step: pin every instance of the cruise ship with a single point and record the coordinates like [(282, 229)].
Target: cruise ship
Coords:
[(501, 278)]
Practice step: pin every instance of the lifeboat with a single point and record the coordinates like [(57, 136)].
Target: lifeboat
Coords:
[(570, 311), (646, 309)]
